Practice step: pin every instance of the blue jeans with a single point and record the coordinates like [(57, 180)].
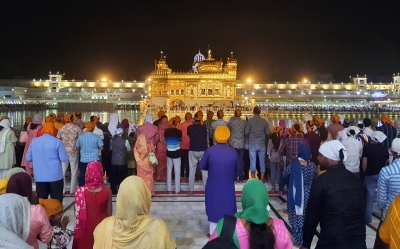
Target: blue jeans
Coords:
[(255, 149), (371, 183), (275, 174), (239, 165)]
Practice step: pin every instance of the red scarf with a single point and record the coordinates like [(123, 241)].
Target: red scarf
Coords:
[(93, 180)]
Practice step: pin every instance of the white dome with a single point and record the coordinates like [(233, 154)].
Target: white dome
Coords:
[(199, 57)]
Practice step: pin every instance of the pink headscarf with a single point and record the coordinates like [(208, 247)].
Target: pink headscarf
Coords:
[(93, 180)]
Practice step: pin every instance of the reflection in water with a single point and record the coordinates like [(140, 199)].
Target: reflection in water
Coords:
[(17, 118)]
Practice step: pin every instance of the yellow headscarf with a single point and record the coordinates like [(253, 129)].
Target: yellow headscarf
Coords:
[(48, 128), (335, 119), (299, 131), (222, 134), (52, 206), (132, 227), (386, 120)]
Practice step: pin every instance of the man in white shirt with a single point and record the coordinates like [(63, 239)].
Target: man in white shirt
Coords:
[(354, 151)]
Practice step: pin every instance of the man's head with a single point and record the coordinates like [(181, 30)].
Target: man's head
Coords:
[(222, 134), (93, 119), (352, 131), (353, 122), (48, 128), (60, 118), (210, 114), (335, 119), (220, 114), (90, 126), (97, 114), (238, 112), (256, 110), (69, 118), (188, 116), (198, 117), (378, 137), (395, 149), (331, 153), (161, 114), (172, 122), (78, 115)]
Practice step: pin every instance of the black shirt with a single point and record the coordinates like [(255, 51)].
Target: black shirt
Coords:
[(198, 137), (390, 132), (376, 155), (337, 202)]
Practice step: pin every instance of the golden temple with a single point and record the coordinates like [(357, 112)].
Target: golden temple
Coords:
[(210, 82)]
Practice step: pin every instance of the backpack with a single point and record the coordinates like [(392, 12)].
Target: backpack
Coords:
[(225, 240)]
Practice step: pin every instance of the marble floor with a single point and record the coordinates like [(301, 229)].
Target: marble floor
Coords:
[(187, 221)]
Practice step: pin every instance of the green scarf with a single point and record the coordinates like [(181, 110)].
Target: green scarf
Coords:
[(254, 202)]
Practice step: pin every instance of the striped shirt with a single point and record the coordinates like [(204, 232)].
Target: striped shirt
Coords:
[(388, 185), (89, 143), (390, 132)]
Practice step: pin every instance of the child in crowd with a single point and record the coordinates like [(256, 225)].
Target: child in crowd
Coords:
[(61, 235)]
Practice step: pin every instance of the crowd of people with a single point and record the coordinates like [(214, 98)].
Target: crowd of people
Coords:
[(331, 176)]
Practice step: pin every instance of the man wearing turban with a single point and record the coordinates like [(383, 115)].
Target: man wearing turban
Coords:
[(220, 160), (335, 127), (89, 145), (69, 134), (335, 196), (47, 154), (388, 129)]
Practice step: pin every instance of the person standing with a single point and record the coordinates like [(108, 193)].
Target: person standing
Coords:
[(198, 144), (149, 129), (274, 157), (218, 122), (388, 129), (302, 174), (219, 160), (59, 121), (389, 232), (257, 128), (335, 127), (145, 168), (389, 180), (119, 164), (314, 140), (173, 138), (99, 133), (7, 147), (342, 135), (236, 126), (47, 153), (354, 151), (337, 203), (78, 120), (93, 203), (374, 158), (185, 145), (69, 134), (209, 122), (161, 115), (89, 145), (161, 151), (32, 131)]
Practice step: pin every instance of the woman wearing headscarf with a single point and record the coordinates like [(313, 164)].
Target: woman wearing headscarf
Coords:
[(302, 173), (145, 168), (32, 131), (15, 218), (78, 120), (254, 227), (161, 151), (149, 129), (7, 150), (125, 125), (131, 157), (40, 228), (92, 205), (133, 227)]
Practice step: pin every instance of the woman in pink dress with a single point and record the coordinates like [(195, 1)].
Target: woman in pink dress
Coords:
[(92, 205), (144, 167), (254, 219), (32, 131), (161, 151)]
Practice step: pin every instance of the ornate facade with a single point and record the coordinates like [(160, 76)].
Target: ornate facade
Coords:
[(210, 82)]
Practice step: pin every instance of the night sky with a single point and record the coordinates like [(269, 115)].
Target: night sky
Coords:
[(276, 40)]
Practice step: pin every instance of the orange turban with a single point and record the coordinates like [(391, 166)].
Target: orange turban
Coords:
[(161, 114), (297, 131), (210, 113), (48, 128), (53, 115), (335, 119), (198, 116), (386, 120), (310, 125), (90, 126), (28, 120), (69, 117), (49, 119), (238, 112), (78, 115), (188, 116), (52, 206), (277, 129)]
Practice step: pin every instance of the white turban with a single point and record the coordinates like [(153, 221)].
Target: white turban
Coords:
[(120, 131), (148, 118), (307, 117), (97, 114), (331, 150), (353, 128)]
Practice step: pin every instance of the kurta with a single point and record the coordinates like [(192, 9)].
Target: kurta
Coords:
[(144, 167), (161, 152), (220, 161), (32, 134), (297, 221), (7, 159)]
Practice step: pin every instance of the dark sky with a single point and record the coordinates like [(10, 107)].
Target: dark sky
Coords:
[(273, 40)]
